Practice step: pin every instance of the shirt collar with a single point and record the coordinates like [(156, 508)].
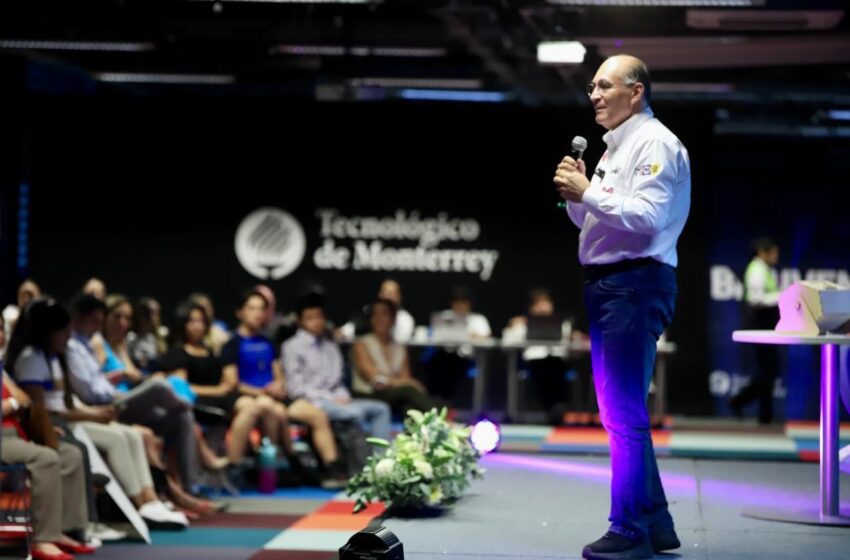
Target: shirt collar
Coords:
[(615, 138), (310, 338), (81, 338)]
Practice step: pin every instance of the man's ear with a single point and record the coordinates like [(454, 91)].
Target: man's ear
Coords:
[(637, 95)]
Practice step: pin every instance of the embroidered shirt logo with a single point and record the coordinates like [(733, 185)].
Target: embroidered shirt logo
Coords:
[(648, 169)]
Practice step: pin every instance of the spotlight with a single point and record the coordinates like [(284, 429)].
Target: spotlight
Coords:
[(378, 543), (485, 436)]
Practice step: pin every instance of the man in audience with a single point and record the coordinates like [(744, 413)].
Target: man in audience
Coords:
[(450, 364), (313, 365)]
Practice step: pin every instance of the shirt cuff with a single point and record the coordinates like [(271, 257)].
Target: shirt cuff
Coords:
[(593, 196)]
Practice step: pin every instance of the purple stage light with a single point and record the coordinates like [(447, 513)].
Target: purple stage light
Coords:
[(486, 436)]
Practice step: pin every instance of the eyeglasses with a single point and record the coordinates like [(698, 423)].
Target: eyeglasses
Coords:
[(603, 86)]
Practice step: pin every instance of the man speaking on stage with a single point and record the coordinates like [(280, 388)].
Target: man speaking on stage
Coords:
[(630, 215)]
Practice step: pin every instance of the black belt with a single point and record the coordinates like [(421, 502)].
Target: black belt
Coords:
[(593, 272)]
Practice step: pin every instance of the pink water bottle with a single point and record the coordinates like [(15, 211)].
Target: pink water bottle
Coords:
[(267, 473)]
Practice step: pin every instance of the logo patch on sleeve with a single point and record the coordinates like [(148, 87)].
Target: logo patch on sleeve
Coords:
[(648, 169)]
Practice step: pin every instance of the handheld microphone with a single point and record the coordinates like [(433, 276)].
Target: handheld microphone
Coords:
[(579, 145)]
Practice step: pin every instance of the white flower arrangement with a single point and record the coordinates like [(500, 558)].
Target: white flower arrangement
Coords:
[(430, 464)]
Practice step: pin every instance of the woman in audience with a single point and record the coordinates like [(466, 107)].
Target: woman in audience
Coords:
[(218, 335), (146, 342), (191, 359), (381, 366), (46, 469), (57, 475), (117, 365), (57, 481)]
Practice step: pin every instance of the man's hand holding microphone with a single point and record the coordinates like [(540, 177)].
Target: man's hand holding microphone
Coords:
[(571, 174)]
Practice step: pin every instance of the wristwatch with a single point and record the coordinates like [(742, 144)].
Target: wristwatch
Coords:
[(13, 402)]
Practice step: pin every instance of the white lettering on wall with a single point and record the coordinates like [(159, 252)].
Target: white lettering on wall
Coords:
[(375, 237), (725, 285)]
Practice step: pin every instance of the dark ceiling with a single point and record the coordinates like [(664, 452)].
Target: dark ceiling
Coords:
[(778, 50)]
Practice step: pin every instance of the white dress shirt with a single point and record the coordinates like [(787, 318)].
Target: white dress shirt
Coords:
[(639, 195)]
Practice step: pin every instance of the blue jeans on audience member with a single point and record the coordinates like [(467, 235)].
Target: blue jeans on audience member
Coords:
[(373, 415), (628, 309)]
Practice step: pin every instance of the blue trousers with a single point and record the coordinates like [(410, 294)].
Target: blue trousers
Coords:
[(374, 416), (629, 304)]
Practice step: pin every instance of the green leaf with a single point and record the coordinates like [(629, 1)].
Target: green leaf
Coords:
[(378, 441), (416, 415)]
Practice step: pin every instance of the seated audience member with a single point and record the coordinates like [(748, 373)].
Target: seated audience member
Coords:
[(381, 369), (146, 342), (56, 480), (450, 364), (402, 330), (27, 291), (314, 372), (547, 366), (219, 334), (95, 287)]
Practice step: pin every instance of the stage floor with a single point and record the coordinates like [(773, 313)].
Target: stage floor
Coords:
[(534, 506)]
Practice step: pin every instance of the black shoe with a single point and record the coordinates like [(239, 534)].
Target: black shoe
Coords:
[(664, 538), (613, 546), (78, 535), (99, 481), (335, 476)]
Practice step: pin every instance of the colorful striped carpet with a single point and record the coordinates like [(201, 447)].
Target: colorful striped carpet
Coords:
[(798, 441), (299, 524)]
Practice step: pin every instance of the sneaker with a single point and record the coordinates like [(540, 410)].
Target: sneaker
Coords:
[(664, 538), (613, 546), (103, 532), (158, 516), (329, 483)]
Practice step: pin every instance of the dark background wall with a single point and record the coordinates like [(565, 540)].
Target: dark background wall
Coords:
[(147, 193)]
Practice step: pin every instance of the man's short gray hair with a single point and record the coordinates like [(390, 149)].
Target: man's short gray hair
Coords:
[(638, 72)]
